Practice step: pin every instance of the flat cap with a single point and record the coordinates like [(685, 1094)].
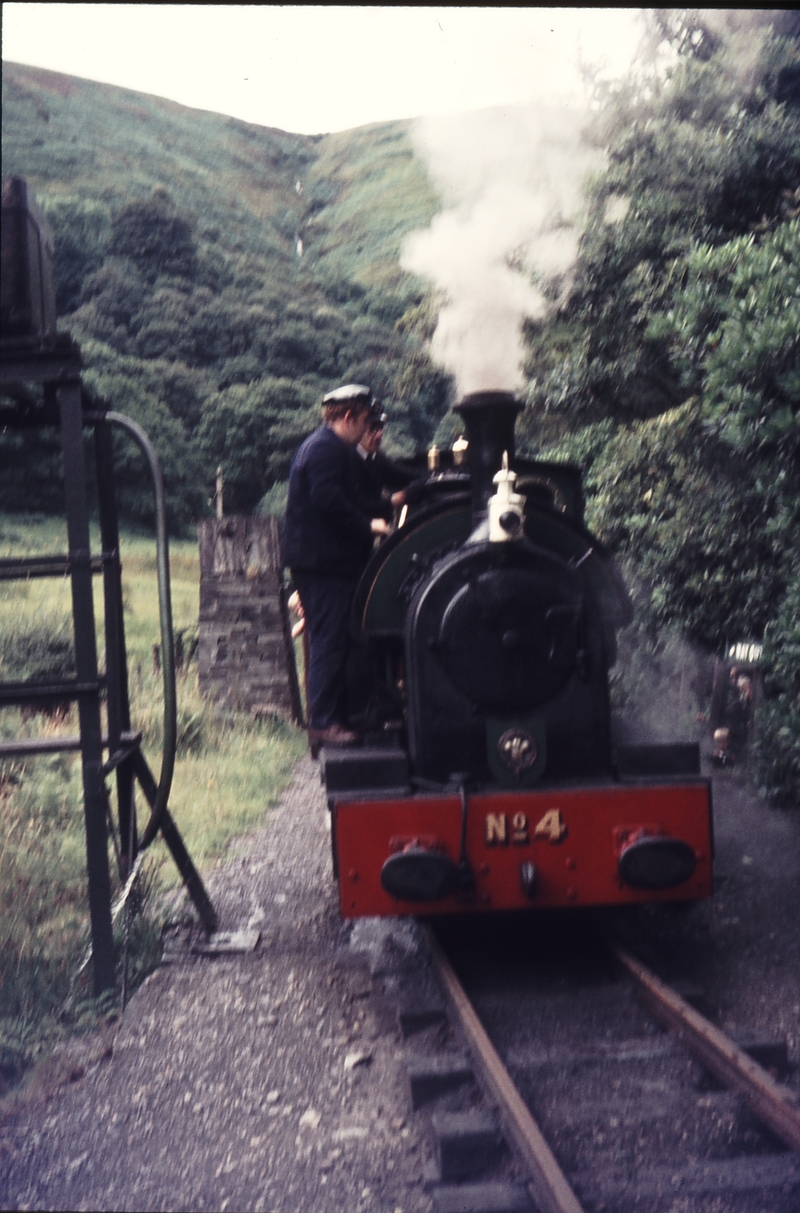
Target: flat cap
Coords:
[(355, 392)]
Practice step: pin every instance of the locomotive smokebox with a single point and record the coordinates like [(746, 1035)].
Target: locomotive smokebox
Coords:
[(489, 419)]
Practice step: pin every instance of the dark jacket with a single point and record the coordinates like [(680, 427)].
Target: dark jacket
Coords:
[(326, 528), (376, 473)]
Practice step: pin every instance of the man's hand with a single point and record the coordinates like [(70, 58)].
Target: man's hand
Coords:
[(399, 499), (379, 526), (296, 607)]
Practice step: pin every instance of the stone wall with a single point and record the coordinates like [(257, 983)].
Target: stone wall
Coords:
[(245, 652)]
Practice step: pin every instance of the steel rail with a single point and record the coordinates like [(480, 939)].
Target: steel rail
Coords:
[(773, 1103), (548, 1184)]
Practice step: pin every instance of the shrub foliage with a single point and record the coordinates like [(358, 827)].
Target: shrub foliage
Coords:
[(673, 367)]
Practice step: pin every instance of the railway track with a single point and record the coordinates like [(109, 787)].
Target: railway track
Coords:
[(605, 1111)]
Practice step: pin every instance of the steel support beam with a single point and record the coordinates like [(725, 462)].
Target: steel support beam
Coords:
[(94, 792), (177, 848)]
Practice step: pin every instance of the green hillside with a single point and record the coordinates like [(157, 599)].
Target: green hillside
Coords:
[(178, 237)]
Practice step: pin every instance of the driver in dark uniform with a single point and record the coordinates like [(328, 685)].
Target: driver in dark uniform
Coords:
[(379, 475), (327, 539)]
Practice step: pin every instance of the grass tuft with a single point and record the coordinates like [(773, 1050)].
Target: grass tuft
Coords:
[(229, 770)]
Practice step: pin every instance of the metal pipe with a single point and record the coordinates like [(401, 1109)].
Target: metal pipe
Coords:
[(165, 616)]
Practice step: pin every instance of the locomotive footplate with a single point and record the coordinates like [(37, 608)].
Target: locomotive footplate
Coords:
[(595, 845)]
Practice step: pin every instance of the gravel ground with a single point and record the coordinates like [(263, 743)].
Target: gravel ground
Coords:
[(742, 947), (275, 1080), (272, 1080)]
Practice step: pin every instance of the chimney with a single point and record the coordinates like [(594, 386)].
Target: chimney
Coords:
[(489, 419)]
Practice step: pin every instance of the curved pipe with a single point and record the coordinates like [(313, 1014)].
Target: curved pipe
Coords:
[(165, 615)]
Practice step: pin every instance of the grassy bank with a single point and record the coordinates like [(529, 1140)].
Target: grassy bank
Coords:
[(229, 769)]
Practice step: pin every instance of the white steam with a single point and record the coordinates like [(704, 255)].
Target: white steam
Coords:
[(512, 181)]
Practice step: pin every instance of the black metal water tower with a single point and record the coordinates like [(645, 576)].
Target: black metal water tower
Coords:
[(40, 386)]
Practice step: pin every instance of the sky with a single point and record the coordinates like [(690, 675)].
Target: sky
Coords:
[(313, 69)]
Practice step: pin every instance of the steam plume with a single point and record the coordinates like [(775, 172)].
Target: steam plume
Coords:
[(511, 180)]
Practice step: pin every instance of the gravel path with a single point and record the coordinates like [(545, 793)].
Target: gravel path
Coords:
[(742, 947), (275, 1080), (272, 1080)]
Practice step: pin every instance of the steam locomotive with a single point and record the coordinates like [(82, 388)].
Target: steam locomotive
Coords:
[(489, 778)]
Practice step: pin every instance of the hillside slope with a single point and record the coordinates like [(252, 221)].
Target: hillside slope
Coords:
[(220, 276)]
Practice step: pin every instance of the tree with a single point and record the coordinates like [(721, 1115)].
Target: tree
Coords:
[(155, 237), (252, 431), (80, 234), (778, 739), (697, 159), (121, 384), (677, 349), (734, 332), (704, 529)]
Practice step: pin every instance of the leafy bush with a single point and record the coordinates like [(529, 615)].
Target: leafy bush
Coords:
[(273, 503), (703, 527), (735, 330), (42, 905), (673, 362), (777, 745)]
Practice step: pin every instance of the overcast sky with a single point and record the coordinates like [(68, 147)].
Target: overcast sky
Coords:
[(312, 69)]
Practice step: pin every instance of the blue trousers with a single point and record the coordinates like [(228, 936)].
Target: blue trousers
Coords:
[(326, 600)]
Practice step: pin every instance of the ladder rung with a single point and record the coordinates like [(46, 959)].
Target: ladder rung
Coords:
[(24, 747)]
